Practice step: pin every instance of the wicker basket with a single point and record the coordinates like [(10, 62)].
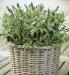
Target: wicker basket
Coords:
[(34, 61)]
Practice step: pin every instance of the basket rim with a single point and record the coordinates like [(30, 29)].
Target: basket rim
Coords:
[(34, 47)]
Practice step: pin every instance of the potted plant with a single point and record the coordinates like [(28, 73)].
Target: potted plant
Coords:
[(35, 36)]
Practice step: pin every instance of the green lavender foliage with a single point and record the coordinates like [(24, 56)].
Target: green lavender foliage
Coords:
[(34, 25)]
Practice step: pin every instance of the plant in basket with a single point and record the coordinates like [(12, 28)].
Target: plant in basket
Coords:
[(34, 31)]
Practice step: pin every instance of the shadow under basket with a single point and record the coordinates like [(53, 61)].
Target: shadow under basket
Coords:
[(34, 61)]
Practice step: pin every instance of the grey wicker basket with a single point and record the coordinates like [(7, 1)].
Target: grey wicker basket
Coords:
[(34, 61)]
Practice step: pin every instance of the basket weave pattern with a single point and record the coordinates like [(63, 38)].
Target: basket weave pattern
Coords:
[(34, 61)]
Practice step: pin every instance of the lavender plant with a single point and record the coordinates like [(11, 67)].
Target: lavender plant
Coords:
[(34, 25)]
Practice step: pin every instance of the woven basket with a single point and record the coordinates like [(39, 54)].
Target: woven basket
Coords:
[(34, 61)]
